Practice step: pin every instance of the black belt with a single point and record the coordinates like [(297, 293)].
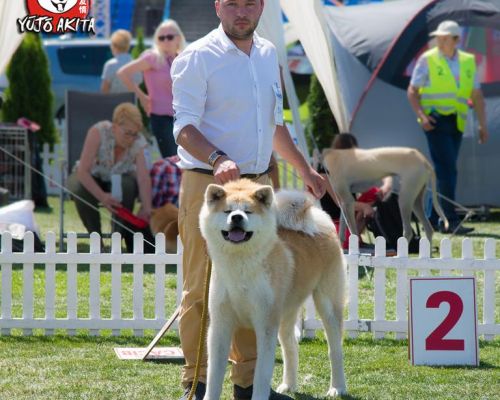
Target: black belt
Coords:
[(248, 176)]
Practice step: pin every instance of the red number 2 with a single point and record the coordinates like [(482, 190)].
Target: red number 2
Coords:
[(435, 340)]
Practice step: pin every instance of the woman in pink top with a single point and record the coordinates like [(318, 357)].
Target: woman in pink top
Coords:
[(155, 64)]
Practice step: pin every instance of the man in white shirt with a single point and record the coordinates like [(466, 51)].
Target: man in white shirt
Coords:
[(228, 119)]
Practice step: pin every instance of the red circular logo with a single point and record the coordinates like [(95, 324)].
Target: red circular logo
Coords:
[(57, 16)]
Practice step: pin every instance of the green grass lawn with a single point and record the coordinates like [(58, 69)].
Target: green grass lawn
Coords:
[(85, 367)]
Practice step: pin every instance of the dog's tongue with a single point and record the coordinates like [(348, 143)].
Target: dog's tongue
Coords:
[(236, 235)]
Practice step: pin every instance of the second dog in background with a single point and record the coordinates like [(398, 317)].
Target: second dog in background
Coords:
[(350, 166)]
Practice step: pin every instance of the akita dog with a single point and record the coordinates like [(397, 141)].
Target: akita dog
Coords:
[(269, 253)]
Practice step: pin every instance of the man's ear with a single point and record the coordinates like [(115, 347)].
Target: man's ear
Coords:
[(264, 195), (214, 193)]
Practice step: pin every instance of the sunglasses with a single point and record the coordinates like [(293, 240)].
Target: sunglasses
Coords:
[(130, 134), (169, 37)]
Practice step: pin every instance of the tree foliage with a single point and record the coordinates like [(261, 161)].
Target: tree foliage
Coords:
[(29, 92), (322, 126)]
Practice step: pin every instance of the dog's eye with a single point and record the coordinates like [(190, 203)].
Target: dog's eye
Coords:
[(227, 211), (249, 212)]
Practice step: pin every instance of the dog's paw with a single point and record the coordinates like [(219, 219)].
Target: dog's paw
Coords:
[(285, 388), (335, 392)]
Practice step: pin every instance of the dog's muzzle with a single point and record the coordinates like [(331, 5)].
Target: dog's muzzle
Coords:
[(237, 233)]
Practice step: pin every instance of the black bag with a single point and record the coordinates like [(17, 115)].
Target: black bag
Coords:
[(18, 244), (386, 222)]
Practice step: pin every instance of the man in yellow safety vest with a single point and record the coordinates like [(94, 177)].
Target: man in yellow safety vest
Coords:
[(443, 81)]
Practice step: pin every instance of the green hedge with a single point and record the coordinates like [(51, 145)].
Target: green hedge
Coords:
[(29, 92), (322, 125)]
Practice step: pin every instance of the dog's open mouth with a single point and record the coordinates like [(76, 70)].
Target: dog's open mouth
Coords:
[(237, 235)]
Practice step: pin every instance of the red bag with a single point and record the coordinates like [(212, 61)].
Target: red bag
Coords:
[(127, 216)]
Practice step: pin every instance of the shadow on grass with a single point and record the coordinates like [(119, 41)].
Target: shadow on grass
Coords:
[(301, 396), (479, 235), (482, 365), (126, 268), (122, 341)]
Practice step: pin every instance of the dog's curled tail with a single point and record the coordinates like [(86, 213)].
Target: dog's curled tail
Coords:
[(435, 200), (296, 211)]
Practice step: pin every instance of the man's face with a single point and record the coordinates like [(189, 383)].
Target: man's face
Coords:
[(447, 43), (239, 18)]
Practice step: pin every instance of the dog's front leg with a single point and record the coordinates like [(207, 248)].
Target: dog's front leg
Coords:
[(266, 347), (219, 340), (290, 351), (348, 205)]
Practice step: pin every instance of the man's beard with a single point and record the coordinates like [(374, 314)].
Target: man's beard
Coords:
[(233, 33)]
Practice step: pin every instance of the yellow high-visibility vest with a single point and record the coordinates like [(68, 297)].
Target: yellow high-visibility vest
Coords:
[(442, 94)]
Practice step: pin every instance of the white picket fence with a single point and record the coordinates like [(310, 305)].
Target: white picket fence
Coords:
[(486, 268), (95, 258), (423, 265)]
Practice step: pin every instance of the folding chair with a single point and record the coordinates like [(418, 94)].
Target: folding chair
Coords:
[(83, 109)]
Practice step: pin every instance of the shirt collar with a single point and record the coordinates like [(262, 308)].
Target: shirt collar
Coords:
[(228, 44), (452, 58), (123, 55)]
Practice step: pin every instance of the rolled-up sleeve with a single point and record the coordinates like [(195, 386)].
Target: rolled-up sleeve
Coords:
[(420, 75), (189, 87)]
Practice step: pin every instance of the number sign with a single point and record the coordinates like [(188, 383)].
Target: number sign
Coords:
[(443, 321)]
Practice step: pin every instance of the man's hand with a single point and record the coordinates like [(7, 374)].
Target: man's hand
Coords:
[(427, 122), (144, 213), (110, 202), (314, 182), (483, 134), (145, 103), (365, 209), (225, 170)]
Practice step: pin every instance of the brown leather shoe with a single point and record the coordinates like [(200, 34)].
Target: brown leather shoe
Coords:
[(240, 393)]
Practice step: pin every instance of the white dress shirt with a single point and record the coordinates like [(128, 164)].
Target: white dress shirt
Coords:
[(235, 100)]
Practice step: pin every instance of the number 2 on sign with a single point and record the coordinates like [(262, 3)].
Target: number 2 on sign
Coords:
[(435, 340)]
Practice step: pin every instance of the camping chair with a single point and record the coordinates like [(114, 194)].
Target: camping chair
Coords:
[(83, 109)]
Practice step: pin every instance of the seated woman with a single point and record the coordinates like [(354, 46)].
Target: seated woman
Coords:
[(112, 147)]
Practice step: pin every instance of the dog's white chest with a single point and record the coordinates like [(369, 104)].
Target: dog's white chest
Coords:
[(248, 297)]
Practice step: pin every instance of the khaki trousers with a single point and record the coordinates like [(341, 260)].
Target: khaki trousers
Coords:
[(243, 352)]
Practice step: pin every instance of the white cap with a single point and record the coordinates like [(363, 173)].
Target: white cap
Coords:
[(447, 28)]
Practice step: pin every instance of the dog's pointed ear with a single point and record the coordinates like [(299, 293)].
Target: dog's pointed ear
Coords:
[(264, 195), (214, 193)]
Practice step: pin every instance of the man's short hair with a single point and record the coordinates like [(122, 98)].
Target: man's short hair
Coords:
[(120, 40)]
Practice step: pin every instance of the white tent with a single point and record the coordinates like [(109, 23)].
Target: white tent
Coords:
[(271, 28), (10, 38)]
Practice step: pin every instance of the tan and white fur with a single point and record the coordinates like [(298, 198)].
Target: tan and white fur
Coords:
[(269, 253), (348, 166)]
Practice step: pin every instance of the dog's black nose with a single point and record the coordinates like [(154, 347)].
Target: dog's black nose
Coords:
[(236, 218)]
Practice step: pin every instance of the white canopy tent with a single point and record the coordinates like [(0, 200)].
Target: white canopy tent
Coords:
[(308, 21), (306, 18), (10, 38), (271, 28)]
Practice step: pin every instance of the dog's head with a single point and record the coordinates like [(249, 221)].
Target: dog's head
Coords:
[(238, 215)]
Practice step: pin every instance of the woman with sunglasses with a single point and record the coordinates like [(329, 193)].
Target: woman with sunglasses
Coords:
[(155, 64)]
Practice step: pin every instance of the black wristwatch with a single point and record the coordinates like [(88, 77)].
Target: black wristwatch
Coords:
[(214, 156)]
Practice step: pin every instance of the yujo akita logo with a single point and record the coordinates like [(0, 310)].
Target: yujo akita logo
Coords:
[(57, 16)]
